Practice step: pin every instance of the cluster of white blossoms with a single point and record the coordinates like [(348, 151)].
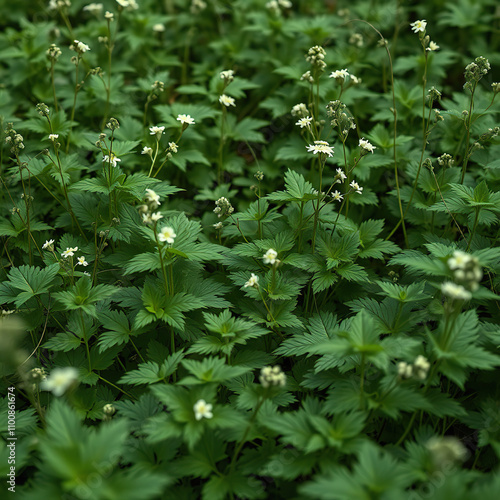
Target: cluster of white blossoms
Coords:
[(227, 75), (272, 376), (79, 47), (419, 26), (53, 52), (158, 28), (128, 4), (227, 101), (152, 202), (197, 6), (341, 75), (300, 110), (320, 147), (252, 282), (202, 409), (305, 122), (446, 450), (366, 146), (454, 291), (185, 119), (167, 235), (58, 4), (38, 374), (467, 274), (419, 369), (271, 257), (356, 187), (60, 380), (112, 159), (48, 245), (275, 6), (157, 131), (69, 252), (223, 207), (93, 8), (152, 198), (315, 56)]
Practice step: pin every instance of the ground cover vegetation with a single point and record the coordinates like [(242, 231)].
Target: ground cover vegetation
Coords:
[(250, 249)]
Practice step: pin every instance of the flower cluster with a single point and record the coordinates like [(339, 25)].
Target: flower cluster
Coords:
[(365, 146), (53, 52), (157, 131), (446, 160), (320, 147), (466, 269), (93, 8), (446, 450), (227, 76), (419, 369), (356, 187), (202, 409), (227, 101), (315, 56), (79, 47), (275, 6), (152, 202), (475, 71), (58, 4), (128, 4), (340, 119), (300, 110), (223, 207), (272, 376), (15, 140), (341, 75)]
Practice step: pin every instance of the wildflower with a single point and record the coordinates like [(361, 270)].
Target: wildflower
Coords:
[(38, 374), (109, 409), (405, 370), (495, 86), (270, 256), (364, 144), (340, 74), (53, 137), (152, 198), (315, 56), (167, 234), (227, 75), (173, 147), (202, 409), (146, 151), (459, 260), (53, 52), (320, 147), (158, 131), (454, 291), (111, 159), (226, 100), (421, 366), (300, 110), (58, 4), (197, 6), (60, 380), (7, 312), (355, 80), (158, 28), (432, 46), (109, 16), (356, 187), (48, 244), (185, 119), (146, 218), (337, 196), (128, 4), (356, 39), (272, 376), (80, 47), (156, 216), (82, 262), (304, 122), (93, 8), (223, 207), (446, 449), (419, 26), (340, 177), (307, 77), (69, 252), (253, 281), (218, 225)]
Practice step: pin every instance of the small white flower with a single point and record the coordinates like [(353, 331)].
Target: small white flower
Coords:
[(356, 187), (152, 197), (146, 151), (156, 216), (304, 122), (460, 260), (156, 130), (146, 218), (186, 119), (364, 144), (405, 370), (226, 100), (300, 110), (172, 146), (112, 160), (454, 291), (272, 376), (47, 244), (421, 366), (355, 80), (341, 175), (159, 28), (81, 47), (270, 256), (432, 46), (93, 8), (252, 282), (337, 196), (53, 137), (202, 409), (340, 74), (109, 16), (69, 252), (60, 380), (419, 26), (167, 234), (320, 147), (227, 75), (82, 262)]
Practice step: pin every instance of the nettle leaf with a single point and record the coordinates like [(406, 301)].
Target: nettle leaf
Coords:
[(30, 280), (210, 370), (148, 261), (84, 296), (297, 189), (151, 372), (409, 293), (118, 330)]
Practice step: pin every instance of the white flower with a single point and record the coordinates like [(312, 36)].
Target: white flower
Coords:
[(159, 28), (419, 26), (341, 175), (405, 370), (321, 147), (112, 160), (226, 100), (202, 409), (185, 119), (47, 244), (82, 262), (128, 4), (364, 144), (156, 216), (227, 75), (146, 218), (218, 225), (156, 130), (60, 380), (337, 196), (460, 260), (167, 234), (454, 291), (270, 256), (432, 46), (421, 366), (109, 16), (93, 8), (81, 47), (340, 73), (355, 80), (146, 151), (300, 110), (272, 375), (304, 122), (152, 197), (172, 146), (69, 252), (253, 281), (356, 187), (53, 137)]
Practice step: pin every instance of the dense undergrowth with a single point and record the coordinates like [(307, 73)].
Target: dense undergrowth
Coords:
[(250, 249)]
